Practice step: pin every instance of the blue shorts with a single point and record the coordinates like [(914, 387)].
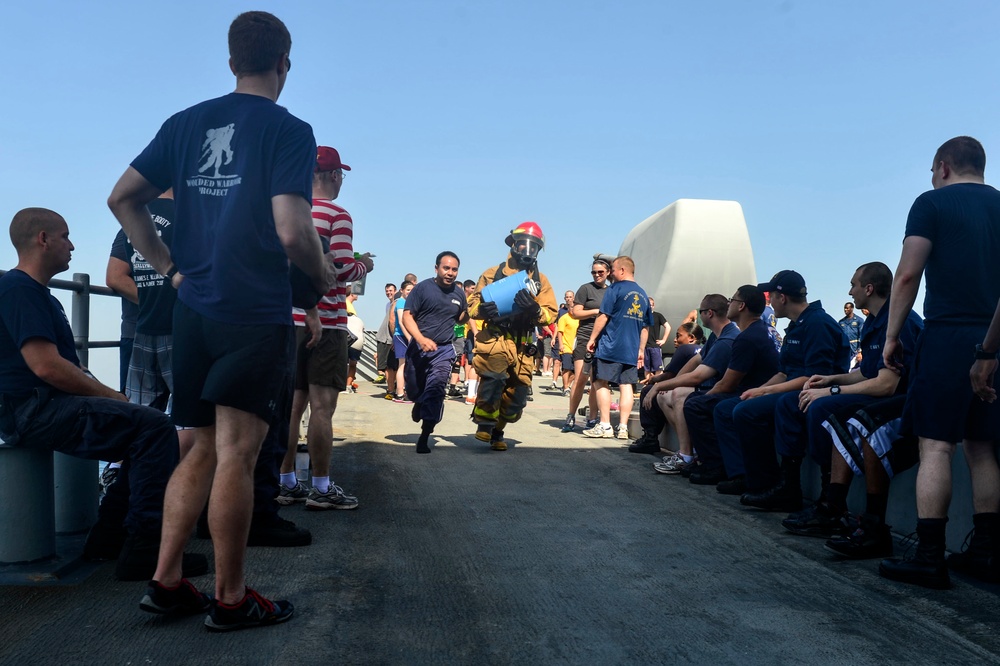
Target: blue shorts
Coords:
[(399, 346), (653, 360), (940, 403), (616, 373), (567, 362)]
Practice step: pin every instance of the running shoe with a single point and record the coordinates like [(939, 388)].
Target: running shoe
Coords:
[(599, 431), (287, 496), (253, 611), (182, 599), (334, 498)]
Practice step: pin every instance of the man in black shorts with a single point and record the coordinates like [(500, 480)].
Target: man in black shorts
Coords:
[(618, 343), (241, 168), (952, 236)]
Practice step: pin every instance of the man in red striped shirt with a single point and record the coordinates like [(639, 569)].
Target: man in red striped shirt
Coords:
[(321, 345)]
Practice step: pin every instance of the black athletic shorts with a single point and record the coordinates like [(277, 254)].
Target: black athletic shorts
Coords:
[(323, 365), (246, 367)]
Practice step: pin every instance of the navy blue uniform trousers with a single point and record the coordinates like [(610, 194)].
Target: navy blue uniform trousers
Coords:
[(427, 375), (143, 438), (699, 414)]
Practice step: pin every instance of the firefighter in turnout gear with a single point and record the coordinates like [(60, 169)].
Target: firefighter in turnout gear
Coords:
[(504, 354)]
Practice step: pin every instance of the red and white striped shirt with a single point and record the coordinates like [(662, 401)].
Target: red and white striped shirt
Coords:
[(335, 224)]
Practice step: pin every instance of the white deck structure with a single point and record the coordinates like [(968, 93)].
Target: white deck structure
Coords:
[(690, 248)]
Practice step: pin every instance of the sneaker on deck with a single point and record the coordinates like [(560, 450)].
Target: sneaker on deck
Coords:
[(671, 465), (622, 432), (570, 424), (402, 399), (185, 599), (253, 611), (599, 431), (287, 496), (334, 498)]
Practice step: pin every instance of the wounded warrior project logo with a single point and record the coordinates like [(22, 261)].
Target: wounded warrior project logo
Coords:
[(217, 152)]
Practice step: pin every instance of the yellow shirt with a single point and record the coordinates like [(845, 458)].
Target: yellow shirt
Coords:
[(350, 309), (567, 326)]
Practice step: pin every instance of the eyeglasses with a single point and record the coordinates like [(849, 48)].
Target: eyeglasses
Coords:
[(735, 300), (339, 172), (704, 310), (598, 272)]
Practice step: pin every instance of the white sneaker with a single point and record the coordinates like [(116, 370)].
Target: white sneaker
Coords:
[(600, 431), (622, 432)]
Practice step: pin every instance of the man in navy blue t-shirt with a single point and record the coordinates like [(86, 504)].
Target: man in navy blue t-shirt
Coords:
[(813, 345), (952, 236), (48, 401), (241, 168), (432, 309), (753, 361), (699, 374), (618, 342)]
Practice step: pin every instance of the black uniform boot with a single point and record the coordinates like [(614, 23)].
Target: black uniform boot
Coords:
[(981, 558), (927, 566)]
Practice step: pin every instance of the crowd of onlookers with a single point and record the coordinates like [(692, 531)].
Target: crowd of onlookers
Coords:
[(226, 240)]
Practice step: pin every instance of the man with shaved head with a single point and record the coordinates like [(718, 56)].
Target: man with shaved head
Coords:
[(48, 401)]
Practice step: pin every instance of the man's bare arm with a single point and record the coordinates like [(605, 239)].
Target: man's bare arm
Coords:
[(44, 360), (128, 204), (916, 250), (118, 276), (294, 225)]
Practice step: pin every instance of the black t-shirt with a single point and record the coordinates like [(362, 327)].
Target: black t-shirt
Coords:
[(655, 330), (754, 354), (435, 309), (29, 310), (962, 221), (156, 295), (590, 297), (120, 249)]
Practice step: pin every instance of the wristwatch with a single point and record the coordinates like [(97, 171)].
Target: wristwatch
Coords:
[(983, 355), (834, 389)]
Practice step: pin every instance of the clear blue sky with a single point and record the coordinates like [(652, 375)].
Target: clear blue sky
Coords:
[(461, 119)]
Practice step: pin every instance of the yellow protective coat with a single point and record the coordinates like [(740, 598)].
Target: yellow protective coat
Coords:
[(504, 369)]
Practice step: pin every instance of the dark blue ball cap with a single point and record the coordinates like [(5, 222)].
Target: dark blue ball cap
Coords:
[(789, 283)]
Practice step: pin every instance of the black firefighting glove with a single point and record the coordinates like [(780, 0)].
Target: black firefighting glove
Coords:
[(488, 311), (526, 305)]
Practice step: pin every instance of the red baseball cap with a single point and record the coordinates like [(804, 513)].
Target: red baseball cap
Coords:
[(328, 159)]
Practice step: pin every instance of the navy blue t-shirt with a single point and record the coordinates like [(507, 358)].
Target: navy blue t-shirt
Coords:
[(681, 356), (226, 158), (754, 354), (156, 295), (435, 309), (627, 307), (29, 310), (873, 340), (962, 221), (717, 355), (814, 345)]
